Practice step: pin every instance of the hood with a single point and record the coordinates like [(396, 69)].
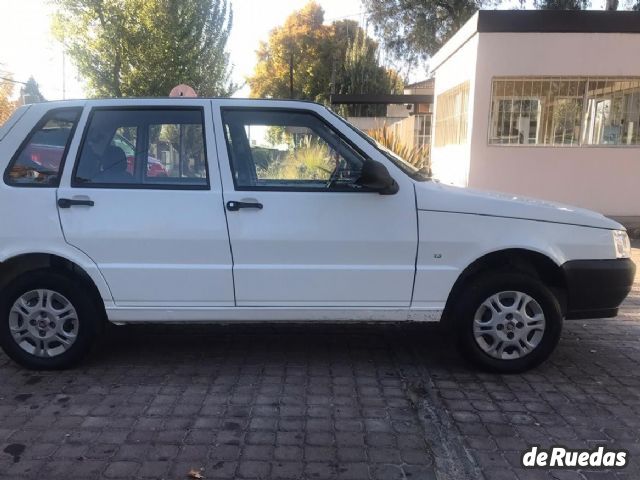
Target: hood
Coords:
[(446, 198)]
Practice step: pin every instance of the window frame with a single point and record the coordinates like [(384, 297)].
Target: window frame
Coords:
[(38, 126), (460, 120), (494, 121), (581, 143), (280, 188), (145, 136)]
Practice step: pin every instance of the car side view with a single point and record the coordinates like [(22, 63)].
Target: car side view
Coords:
[(233, 210)]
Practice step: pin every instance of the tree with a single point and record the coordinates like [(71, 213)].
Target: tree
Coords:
[(295, 61), (360, 73), (305, 59), (416, 29), (7, 106), (30, 93), (146, 47)]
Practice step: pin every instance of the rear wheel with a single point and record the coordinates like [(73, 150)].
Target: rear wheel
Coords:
[(508, 322), (47, 320)]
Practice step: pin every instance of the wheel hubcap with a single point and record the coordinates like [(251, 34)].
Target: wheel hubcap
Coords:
[(509, 325), (43, 323)]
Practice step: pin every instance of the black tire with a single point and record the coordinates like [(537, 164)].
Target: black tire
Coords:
[(480, 289), (90, 318)]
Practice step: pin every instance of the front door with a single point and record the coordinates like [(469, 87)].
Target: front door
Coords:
[(143, 203), (302, 233)]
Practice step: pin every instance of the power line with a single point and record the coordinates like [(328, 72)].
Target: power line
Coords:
[(52, 89), (12, 81)]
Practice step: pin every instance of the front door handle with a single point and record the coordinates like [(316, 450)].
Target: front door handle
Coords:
[(234, 206), (70, 202)]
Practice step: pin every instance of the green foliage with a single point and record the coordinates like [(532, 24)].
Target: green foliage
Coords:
[(417, 156), (305, 59), (146, 47), (361, 73), (290, 63), (416, 29)]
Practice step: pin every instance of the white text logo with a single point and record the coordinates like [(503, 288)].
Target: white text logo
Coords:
[(561, 457)]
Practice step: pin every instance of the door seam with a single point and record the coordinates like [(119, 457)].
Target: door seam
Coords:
[(415, 263), (64, 237), (224, 210)]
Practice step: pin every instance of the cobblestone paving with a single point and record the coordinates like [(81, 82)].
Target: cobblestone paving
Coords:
[(349, 401)]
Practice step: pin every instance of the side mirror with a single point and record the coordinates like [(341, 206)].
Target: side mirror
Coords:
[(376, 177)]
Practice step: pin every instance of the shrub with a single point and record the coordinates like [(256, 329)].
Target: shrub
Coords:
[(417, 156), (308, 160)]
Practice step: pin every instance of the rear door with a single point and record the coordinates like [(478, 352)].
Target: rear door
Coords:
[(141, 197), (302, 233)]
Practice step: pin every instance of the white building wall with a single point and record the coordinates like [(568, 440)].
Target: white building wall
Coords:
[(450, 163), (605, 179), (373, 123)]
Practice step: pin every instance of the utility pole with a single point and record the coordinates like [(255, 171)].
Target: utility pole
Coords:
[(64, 76), (291, 74), (64, 70)]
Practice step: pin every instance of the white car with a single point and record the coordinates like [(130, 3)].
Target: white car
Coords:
[(275, 211)]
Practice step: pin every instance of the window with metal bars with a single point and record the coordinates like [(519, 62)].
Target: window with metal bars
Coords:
[(451, 116), (565, 111)]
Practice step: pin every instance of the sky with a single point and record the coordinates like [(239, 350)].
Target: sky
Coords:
[(28, 48), (34, 51)]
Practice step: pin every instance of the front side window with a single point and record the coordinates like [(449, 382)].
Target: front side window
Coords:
[(143, 148), (409, 169), (288, 149), (38, 161), (565, 111)]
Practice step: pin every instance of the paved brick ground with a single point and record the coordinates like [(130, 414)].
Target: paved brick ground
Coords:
[(318, 402)]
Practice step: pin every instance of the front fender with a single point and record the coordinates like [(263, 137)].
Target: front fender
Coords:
[(450, 242)]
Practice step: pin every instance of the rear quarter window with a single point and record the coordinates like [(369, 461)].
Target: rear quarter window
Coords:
[(6, 127), (39, 160)]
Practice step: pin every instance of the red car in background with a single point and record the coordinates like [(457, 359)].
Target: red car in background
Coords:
[(47, 145)]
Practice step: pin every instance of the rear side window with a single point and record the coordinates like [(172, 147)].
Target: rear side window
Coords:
[(39, 160), (155, 148)]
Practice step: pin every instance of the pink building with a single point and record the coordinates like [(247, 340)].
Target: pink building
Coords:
[(543, 104)]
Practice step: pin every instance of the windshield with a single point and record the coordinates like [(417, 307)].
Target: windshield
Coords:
[(414, 172)]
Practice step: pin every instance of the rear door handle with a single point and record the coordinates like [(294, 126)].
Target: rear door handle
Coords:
[(70, 202), (234, 206)]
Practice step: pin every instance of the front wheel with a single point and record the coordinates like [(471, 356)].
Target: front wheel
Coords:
[(508, 322), (47, 320)]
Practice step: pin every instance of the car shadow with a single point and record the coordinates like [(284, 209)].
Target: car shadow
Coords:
[(290, 342)]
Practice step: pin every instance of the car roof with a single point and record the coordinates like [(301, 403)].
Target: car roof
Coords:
[(186, 100)]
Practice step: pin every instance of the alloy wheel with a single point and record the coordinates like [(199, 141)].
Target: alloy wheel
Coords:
[(43, 323), (509, 325)]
